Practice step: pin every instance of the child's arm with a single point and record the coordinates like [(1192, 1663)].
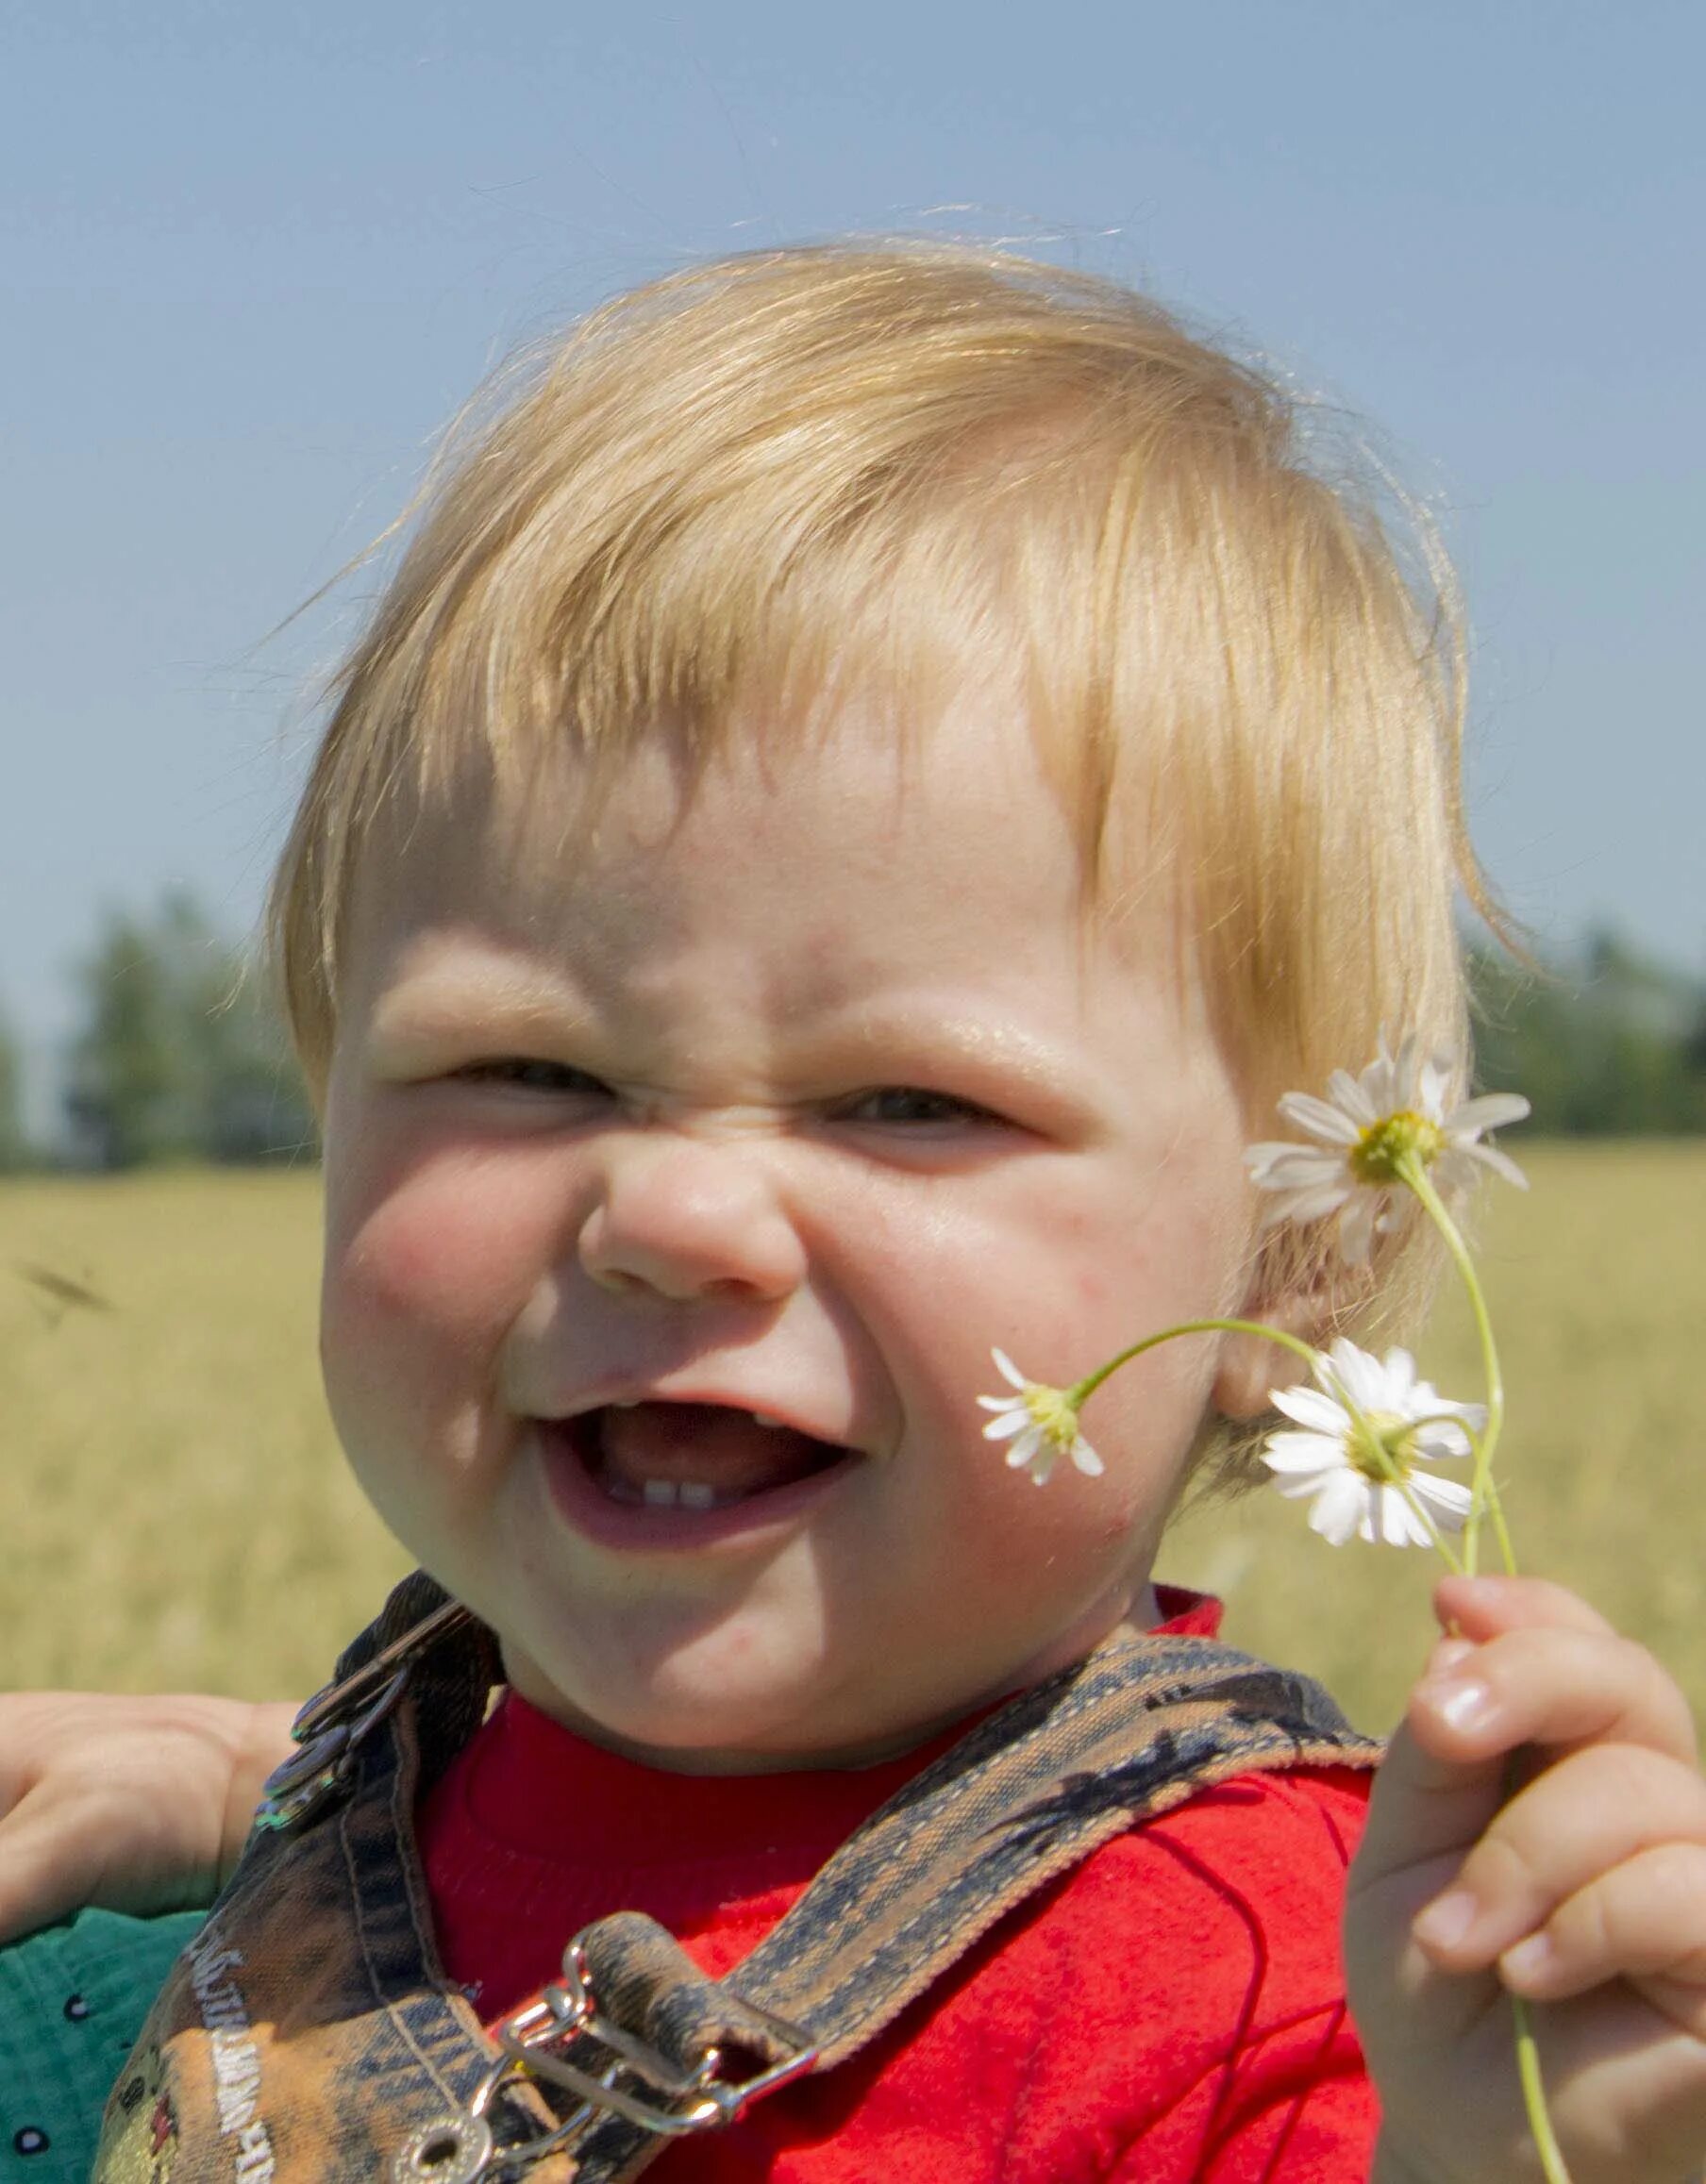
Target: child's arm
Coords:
[(1603, 1851), (131, 1803)]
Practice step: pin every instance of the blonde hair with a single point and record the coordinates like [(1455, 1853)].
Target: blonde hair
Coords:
[(781, 472)]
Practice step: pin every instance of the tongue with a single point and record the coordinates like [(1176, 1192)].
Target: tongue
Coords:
[(724, 1449)]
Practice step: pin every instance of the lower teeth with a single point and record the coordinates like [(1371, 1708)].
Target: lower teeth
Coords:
[(665, 1494)]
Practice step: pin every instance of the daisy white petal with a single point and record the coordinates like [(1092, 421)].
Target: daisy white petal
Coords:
[(1403, 1082), (1372, 1383), (1399, 1525), (1286, 1167), (1321, 1118), (1314, 1204), (1040, 1422), (1500, 1164), (1295, 1486), (1347, 1094), (1490, 1111), (1369, 1424), (1449, 1496), (1300, 1452), (1366, 1139), (1341, 1509), (1321, 1412), (1025, 1450), (1357, 1226), (1440, 1439), (1432, 1085)]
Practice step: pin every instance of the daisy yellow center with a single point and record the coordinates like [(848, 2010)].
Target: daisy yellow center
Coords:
[(1050, 1409), (1383, 1446), (1379, 1150)]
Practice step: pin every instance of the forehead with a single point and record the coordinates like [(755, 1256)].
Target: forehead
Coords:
[(848, 824)]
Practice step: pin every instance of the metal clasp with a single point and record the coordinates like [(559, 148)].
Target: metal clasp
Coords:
[(569, 2011), (337, 1720), (658, 2096)]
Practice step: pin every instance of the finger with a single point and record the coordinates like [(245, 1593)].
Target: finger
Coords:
[(1559, 1687), (1645, 1919), (1423, 1814), (1518, 1664), (1579, 1821), (1481, 1607)]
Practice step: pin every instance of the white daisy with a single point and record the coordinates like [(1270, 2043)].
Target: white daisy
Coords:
[(1396, 1107), (1348, 1467), (1040, 1422)]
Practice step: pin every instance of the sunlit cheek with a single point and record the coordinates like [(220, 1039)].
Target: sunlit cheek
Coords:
[(455, 1242), (424, 1276)]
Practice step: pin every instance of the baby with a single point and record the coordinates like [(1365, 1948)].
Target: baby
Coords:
[(875, 769)]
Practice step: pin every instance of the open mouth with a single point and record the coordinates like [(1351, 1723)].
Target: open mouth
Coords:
[(691, 1455)]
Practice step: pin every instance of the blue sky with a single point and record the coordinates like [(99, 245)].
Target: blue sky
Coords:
[(251, 257)]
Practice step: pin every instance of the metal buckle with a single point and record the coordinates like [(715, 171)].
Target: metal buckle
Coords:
[(569, 2011), (310, 1778), (339, 1702), (666, 2101), (336, 1720)]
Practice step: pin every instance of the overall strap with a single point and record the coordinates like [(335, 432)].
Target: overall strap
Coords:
[(309, 2037), (1141, 1725)]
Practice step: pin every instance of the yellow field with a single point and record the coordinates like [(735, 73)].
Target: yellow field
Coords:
[(173, 1511)]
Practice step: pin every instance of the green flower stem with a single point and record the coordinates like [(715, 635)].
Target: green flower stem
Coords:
[(1080, 1392), (1484, 1494), (1533, 2098)]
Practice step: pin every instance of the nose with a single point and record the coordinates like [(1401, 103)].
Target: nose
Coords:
[(690, 1221)]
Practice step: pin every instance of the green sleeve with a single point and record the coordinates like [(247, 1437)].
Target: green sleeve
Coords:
[(71, 2001)]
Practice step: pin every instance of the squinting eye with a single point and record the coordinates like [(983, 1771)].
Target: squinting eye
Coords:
[(905, 1102), (530, 1074)]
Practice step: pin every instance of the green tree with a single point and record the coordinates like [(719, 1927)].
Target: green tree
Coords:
[(14, 1148), (1608, 1043), (127, 1099), (179, 1057)]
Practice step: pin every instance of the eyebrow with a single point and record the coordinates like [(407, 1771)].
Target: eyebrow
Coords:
[(510, 1000), (441, 1000), (1057, 1074), (1016, 1053)]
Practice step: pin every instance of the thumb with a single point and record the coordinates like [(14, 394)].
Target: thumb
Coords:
[(1426, 1812), (1428, 1806)]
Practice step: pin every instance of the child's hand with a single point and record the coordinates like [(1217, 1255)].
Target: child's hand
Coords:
[(1584, 1891), (132, 1803)]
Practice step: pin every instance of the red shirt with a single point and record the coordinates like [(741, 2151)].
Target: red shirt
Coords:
[(1172, 2012)]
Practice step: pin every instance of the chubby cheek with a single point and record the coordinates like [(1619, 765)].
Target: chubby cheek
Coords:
[(1068, 1538), (1090, 1287), (427, 1267)]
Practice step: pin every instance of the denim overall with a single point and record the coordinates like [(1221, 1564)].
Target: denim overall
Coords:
[(310, 2036)]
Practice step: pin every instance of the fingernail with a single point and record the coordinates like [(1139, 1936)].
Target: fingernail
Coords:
[(1449, 1652), (1528, 1961), (1462, 1702), (1447, 1919)]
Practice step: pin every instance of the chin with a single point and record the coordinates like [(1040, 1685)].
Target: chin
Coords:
[(706, 1700)]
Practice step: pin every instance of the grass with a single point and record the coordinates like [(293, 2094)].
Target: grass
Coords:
[(174, 1508), (175, 1514)]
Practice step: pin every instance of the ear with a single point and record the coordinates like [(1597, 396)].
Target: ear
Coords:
[(1307, 1303)]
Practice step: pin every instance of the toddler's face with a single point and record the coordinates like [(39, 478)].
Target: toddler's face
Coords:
[(678, 1185)]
